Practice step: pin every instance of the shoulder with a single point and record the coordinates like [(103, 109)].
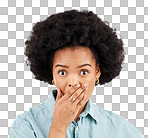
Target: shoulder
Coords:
[(117, 122), (24, 122)]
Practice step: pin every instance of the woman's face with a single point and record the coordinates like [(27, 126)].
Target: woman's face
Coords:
[(67, 73)]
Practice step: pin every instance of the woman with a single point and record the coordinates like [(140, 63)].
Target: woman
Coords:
[(75, 51)]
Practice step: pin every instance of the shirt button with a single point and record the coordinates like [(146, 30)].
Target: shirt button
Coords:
[(77, 128)]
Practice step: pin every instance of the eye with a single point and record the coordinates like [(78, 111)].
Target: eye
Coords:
[(84, 71), (61, 71)]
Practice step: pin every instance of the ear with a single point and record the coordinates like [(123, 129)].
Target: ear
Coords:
[(98, 72)]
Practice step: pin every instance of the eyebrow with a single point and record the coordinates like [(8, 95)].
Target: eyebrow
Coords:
[(58, 65)]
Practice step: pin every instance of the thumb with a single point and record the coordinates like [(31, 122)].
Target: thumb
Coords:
[(59, 95)]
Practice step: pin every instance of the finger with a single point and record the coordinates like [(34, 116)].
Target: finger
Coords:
[(79, 97), (69, 93), (59, 95)]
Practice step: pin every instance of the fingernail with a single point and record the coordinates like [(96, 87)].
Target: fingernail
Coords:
[(85, 85)]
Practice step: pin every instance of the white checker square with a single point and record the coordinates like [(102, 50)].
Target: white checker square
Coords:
[(108, 106), (4, 3), (115, 3), (100, 3), (35, 18), (131, 114), (3, 18), (83, 3), (115, 83), (99, 98), (4, 130), (19, 3), (27, 26), (3, 83), (124, 106), (27, 106), (107, 10), (12, 11), (116, 19), (11, 90), (131, 18), (19, 98), (44, 91), (59, 9), (93, 9), (3, 66), (35, 3), (126, 58), (123, 10), (27, 10), (27, 75), (145, 50), (145, 130), (19, 83), (4, 35), (36, 99), (145, 18), (145, 98), (146, 114), (11, 58), (139, 27), (35, 83), (11, 106), (43, 10), (139, 58), (131, 98), (10, 122), (67, 3), (19, 50), (27, 90), (3, 51), (131, 3), (131, 34), (11, 74), (131, 67), (124, 75), (4, 98), (131, 50), (19, 34), (11, 42), (19, 66), (145, 82), (4, 115), (146, 67), (145, 34), (139, 11), (131, 83), (123, 90), (139, 106), (107, 90), (12, 27), (123, 27), (139, 74), (139, 90), (52, 3), (116, 98), (19, 18), (139, 43), (139, 122)]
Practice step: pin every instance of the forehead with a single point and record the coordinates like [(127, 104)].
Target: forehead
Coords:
[(81, 54)]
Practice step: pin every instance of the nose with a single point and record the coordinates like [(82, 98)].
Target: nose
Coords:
[(73, 81)]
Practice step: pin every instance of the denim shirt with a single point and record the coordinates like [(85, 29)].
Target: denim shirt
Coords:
[(93, 122)]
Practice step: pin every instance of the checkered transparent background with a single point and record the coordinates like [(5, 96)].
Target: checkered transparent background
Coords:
[(126, 95)]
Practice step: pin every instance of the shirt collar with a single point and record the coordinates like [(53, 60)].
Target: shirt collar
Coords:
[(90, 108)]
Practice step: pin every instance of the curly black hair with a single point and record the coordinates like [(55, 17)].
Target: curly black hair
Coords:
[(70, 29)]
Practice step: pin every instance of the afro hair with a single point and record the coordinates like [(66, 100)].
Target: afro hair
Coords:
[(70, 29)]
